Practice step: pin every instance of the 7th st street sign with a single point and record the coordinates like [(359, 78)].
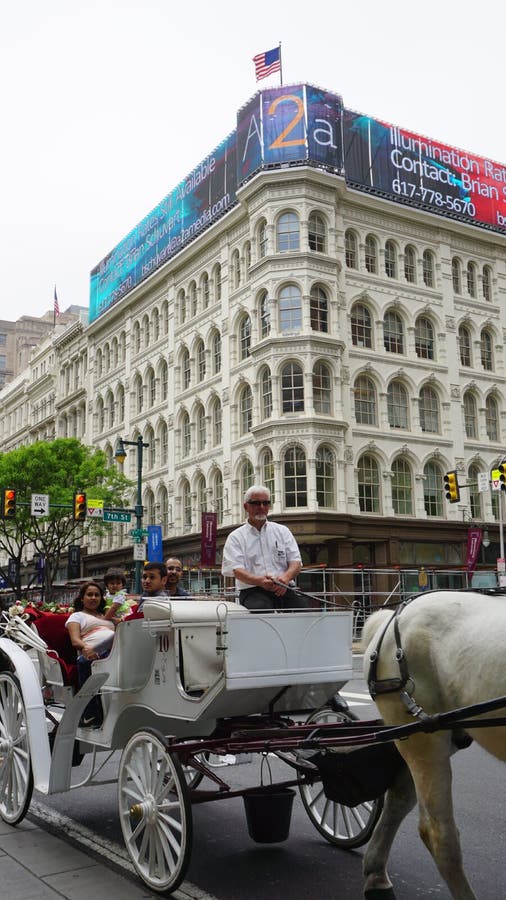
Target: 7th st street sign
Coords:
[(116, 515)]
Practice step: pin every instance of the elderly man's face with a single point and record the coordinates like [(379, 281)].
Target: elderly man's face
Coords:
[(257, 508)]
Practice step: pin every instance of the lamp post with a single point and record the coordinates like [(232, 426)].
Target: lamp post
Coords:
[(120, 456)]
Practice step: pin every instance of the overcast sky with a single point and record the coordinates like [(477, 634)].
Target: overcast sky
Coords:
[(108, 104)]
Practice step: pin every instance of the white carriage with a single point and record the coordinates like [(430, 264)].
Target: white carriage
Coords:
[(191, 673)]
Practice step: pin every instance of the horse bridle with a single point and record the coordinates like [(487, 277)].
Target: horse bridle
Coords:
[(393, 685)]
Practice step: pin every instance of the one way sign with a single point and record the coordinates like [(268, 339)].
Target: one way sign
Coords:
[(40, 504)]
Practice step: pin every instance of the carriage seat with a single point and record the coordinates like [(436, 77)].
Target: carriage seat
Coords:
[(61, 655), (200, 644), (130, 661), (181, 612)]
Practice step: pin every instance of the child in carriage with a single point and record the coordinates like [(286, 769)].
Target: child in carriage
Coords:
[(116, 603)]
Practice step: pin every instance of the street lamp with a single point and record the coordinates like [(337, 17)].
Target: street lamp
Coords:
[(120, 456)]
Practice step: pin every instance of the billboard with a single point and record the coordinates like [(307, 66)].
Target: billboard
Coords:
[(289, 124), (413, 169), (203, 196)]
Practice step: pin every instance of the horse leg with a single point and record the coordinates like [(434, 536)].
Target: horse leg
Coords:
[(399, 801), (428, 757)]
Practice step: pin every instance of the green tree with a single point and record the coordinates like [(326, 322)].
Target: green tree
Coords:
[(58, 468)]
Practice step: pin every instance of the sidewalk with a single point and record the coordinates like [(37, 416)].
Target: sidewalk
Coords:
[(37, 865)]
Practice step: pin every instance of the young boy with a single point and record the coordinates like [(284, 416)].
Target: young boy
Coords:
[(116, 604)]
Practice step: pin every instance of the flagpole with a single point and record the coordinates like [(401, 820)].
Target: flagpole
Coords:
[(280, 65), (54, 308)]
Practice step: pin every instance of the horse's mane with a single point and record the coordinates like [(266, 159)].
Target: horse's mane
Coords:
[(373, 624)]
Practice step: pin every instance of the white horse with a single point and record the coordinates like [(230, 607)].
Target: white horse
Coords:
[(455, 648)]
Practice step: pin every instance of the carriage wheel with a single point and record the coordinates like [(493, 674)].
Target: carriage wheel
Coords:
[(16, 776), (155, 811), (344, 826)]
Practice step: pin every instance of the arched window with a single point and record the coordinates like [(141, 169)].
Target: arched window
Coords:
[(164, 380), (351, 249), (185, 369), (121, 403), (465, 346), (290, 308), (145, 331), (181, 305), (163, 504), (486, 283), (410, 264), (393, 332), (245, 410), (325, 477), (155, 324), (262, 239), (137, 337), (368, 484), (267, 470), (492, 418), (165, 318), (139, 394), (390, 260), (456, 276), (149, 439), (365, 401), (317, 233), (200, 421), (186, 435), (433, 489), (163, 435), (474, 494), (151, 388), (319, 309), (247, 476), (288, 232), (295, 477), (428, 407), (424, 338), (200, 490), (244, 337), (200, 354), (192, 298), (266, 393), (100, 416), (265, 315), (470, 416), (107, 358), (397, 405), (218, 496), (371, 254), (402, 488), (205, 290), (115, 352), (428, 268), (361, 326), (486, 352), (292, 388), (236, 269), (216, 420), (322, 389), (217, 282), (186, 503), (471, 279), (216, 352)]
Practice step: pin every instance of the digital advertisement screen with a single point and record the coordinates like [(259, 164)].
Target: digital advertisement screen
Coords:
[(203, 196), (421, 172)]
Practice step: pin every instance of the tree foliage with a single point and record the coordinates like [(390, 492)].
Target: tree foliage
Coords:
[(58, 468)]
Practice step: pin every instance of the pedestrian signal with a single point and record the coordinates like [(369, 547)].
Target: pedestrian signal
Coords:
[(9, 503), (452, 487), (79, 509)]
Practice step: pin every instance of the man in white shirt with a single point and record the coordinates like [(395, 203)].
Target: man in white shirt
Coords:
[(259, 554)]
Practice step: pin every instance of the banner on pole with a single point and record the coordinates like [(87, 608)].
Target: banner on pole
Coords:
[(155, 546), (474, 536), (208, 539)]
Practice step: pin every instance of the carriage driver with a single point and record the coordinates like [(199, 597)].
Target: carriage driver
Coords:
[(260, 551)]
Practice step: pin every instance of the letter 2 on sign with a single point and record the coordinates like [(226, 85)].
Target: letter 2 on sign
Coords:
[(280, 142)]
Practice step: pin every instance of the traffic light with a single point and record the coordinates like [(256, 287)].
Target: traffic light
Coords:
[(8, 503), (502, 477), (452, 487), (79, 509)]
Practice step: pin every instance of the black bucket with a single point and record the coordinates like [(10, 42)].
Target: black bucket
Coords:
[(268, 814)]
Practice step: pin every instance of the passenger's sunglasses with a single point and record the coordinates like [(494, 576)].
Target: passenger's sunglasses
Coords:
[(259, 502)]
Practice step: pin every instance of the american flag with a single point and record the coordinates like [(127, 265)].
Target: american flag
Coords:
[(267, 63), (56, 308)]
